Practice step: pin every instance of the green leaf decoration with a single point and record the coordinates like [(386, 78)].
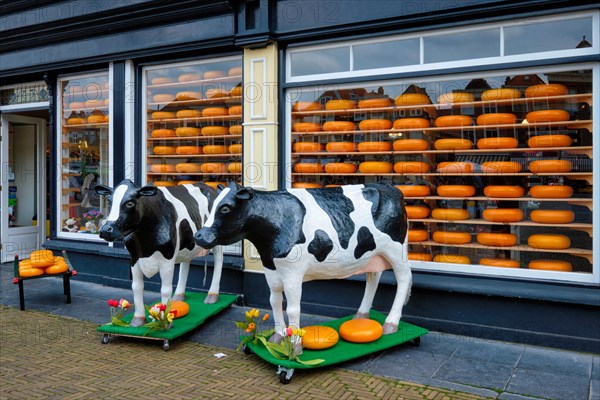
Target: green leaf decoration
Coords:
[(117, 322), (316, 361), (241, 325)]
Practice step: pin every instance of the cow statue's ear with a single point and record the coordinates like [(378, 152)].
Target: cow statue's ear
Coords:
[(149, 190), (245, 193), (103, 190), (220, 187)]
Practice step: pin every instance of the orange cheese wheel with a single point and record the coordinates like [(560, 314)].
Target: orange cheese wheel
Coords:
[(164, 183), (417, 212), (162, 168), (186, 131), (496, 239), (341, 146), (25, 263), (215, 185), (455, 97), (374, 146), (163, 98), (214, 149), (234, 71), (213, 74), (498, 143), (452, 259), (214, 112), (451, 237), (41, 258), (375, 166), (374, 124), (337, 126), (182, 96), (188, 77), (181, 307), (188, 167), (76, 121), (453, 144), (93, 103), (417, 235), (306, 185), (414, 256), (375, 103), (162, 115), (29, 272), (551, 191), (414, 190), (77, 104), (188, 114), (547, 116), (340, 168), (503, 191), (361, 330), (546, 90), (496, 119), (307, 147), (163, 150), (500, 167), (449, 121), (412, 99), (235, 167), (502, 214), (551, 265), (214, 130), (450, 214), (500, 262), (236, 91), (236, 129), (552, 216), (96, 119), (185, 150), (340, 105), (57, 268), (306, 127), (235, 110), (306, 106), (303, 167), (161, 80), (455, 190), (319, 337), (216, 93), (454, 167), (500, 94), (411, 167), (410, 145), (157, 133), (411, 123), (235, 148), (213, 168), (549, 241), (550, 166), (549, 141)]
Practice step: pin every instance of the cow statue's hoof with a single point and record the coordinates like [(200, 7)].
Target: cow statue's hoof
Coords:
[(211, 298), (276, 338), (178, 297), (137, 321), (360, 315), (388, 328)]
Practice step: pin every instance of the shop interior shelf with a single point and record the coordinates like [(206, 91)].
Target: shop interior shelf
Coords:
[(194, 138), (571, 149), (192, 173), (198, 102), (69, 110), (484, 222), (186, 156), (79, 126), (520, 247), (224, 79), (530, 174), (195, 119), (483, 198)]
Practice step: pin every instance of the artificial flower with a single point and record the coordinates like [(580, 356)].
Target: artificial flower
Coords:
[(265, 317)]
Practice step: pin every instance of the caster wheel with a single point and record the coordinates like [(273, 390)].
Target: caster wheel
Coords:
[(246, 349), (283, 378), (166, 345), (105, 339), (416, 342)]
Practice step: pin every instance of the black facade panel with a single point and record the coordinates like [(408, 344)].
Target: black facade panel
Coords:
[(118, 121)]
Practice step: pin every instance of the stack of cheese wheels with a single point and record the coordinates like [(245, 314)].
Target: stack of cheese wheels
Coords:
[(452, 259), (454, 167), (417, 235), (183, 96), (412, 99), (188, 77), (453, 121), (502, 214), (214, 130), (306, 127), (319, 337), (307, 147), (552, 216), (186, 131), (213, 74), (369, 167), (236, 129), (235, 167), (341, 147), (340, 168), (501, 167), (158, 133), (161, 80), (215, 149), (338, 126), (236, 91), (498, 143), (410, 145), (306, 167), (411, 123), (551, 191), (500, 262), (549, 141), (333, 105), (76, 121), (187, 150), (235, 148), (551, 265), (306, 185), (235, 110), (162, 168), (547, 116), (306, 106), (162, 115), (417, 212), (377, 102), (455, 97), (216, 93), (450, 214), (374, 124), (453, 144), (500, 94), (456, 190), (414, 190), (546, 90), (188, 167), (550, 166), (449, 237), (214, 112), (411, 167), (549, 241), (213, 168), (496, 119), (503, 191), (163, 150), (374, 146), (361, 330), (97, 117), (188, 113), (496, 239), (42, 262), (416, 256)]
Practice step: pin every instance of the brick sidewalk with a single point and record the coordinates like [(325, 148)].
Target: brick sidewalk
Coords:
[(51, 357)]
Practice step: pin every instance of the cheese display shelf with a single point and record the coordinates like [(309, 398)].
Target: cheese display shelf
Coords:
[(528, 135), (194, 122)]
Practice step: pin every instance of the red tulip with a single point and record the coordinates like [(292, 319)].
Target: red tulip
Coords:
[(174, 313), (289, 331), (162, 307)]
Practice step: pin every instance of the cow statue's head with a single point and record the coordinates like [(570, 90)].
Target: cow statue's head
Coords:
[(228, 217), (124, 216)]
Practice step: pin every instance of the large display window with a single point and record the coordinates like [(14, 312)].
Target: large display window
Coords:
[(83, 150)]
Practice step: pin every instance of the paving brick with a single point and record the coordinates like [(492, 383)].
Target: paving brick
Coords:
[(562, 362), (548, 385), (476, 373)]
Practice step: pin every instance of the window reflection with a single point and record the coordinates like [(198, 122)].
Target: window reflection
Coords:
[(548, 36), (386, 54), (462, 46), (320, 61)]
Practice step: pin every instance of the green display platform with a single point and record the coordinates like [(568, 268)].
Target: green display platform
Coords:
[(342, 351), (198, 313)]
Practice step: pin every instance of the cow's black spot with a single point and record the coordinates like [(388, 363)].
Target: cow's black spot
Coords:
[(321, 245), (388, 210), (191, 205), (365, 242), (186, 236), (338, 207)]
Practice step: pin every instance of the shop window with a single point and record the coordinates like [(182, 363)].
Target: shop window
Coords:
[(83, 149), (386, 54), (496, 169), (462, 45), (321, 61)]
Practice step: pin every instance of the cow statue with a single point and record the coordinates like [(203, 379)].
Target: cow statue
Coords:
[(157, 225), (308, 234)]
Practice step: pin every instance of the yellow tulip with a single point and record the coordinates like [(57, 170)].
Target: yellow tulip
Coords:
[(255, 313), (170, 317)]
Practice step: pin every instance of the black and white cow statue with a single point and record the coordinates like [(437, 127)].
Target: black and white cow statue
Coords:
[(157, 225), (309, 234)]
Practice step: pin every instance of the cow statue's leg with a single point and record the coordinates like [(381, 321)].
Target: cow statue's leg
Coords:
[(166, 281), (213, 291), (370, 289), (403, 276), (276, 300), (184, 269), (137, 286)]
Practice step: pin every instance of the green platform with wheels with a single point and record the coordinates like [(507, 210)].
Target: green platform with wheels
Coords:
[(199, 312)]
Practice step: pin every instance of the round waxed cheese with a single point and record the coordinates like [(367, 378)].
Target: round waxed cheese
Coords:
[(551, 191), (341, 146), (414, 190), (375, 167), (338, 126), (417, 212), (181, 307), (498, 143), (549, 241), (496, 119), (551, 265), (552, 216), (452, 259), (340, 168), (411, 123), (546, 90), (503, 191), (318, 337), (374, 146), (340, 105), (456, 190), (378, 102), (410, 145), (412, 99), (500, 262), (496, 239), (307, 147), (549, 141), (500, 94), (547, 116), (361, 330), (411, 167), (453, 144)]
